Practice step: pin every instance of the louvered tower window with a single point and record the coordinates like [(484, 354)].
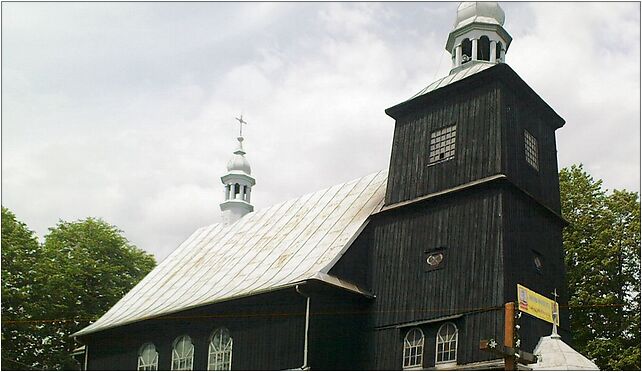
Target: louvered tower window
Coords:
[(447, 344), (413, 349), (220, 351), (530, 148), (183, 354), (442, 144), (148, 358)]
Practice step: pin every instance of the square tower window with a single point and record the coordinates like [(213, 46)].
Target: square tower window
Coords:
[(530, 148), (442, 144)]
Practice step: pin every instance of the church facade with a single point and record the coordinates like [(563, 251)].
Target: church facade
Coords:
[(407, 268)]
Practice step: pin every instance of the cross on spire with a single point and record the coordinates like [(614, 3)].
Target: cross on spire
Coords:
[(241, 122)]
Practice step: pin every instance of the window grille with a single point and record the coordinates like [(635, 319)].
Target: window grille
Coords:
[(182, 354), (446, 344), (148, 358), (442, 144), (220, 352), (530, 148), (413, 349)]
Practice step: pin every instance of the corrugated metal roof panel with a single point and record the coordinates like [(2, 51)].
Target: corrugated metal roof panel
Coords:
[(273, 248)]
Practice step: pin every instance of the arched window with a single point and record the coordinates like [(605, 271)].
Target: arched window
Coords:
[(466, 50), (483, 48), (220, 352), (413, 349), (182, 354), (446, 344), (498, 50), (148, 358)]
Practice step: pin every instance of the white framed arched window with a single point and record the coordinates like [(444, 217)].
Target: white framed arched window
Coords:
[(182, 354), (148, 357), (446, 344), (413, 349), (220, 351)]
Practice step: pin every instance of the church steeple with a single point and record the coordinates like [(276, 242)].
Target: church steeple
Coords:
[(478, 35), (238, 183)]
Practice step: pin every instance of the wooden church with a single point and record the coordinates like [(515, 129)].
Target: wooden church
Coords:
[(407, 268)]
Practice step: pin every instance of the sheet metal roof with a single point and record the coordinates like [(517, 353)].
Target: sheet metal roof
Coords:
[(475, 67), (273, 248)]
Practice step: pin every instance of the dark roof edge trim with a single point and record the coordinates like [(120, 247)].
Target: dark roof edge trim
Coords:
[(466, 186), (324, 278), (422, 322), (82, 332), (443, 192)]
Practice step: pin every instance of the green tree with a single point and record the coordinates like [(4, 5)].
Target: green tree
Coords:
[(20, 253), (602, 247), (82, 269), (87, 267)]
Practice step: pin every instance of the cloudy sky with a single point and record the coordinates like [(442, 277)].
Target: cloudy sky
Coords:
[(125, 111)]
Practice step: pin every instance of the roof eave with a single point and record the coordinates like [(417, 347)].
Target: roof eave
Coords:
[(501, 72)]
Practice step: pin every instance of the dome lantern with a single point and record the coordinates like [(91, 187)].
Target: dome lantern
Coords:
[(478, 35)]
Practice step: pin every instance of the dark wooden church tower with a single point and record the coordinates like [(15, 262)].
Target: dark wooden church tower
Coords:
[(472, 206)]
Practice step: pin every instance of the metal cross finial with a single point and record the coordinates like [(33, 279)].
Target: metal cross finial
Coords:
[(241, 122)]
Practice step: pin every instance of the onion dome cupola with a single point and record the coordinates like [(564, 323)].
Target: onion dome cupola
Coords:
[(478, 35), (238, 183)]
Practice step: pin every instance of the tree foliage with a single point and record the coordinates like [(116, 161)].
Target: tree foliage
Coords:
[(602, 247), (82, 269), (20, 253)]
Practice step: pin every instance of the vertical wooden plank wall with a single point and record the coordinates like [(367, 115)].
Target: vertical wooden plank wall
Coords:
[(519, 114), (530, 230), (469, 227), (267, 331), (478, 144)]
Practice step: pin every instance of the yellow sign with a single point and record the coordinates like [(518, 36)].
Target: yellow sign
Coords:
[(537, 305)]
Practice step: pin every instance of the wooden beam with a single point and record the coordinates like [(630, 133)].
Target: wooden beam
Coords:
[(509, 335), (522, 357)]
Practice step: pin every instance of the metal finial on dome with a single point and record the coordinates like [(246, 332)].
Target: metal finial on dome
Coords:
[(240, 150)]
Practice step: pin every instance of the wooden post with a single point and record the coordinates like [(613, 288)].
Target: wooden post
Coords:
[(509, 335)]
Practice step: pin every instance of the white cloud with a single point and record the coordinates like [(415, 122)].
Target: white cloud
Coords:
[(125, 111)]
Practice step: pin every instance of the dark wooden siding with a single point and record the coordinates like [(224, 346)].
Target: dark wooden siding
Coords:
[(387, 344), (468, 225), (518, 115), (338, 325), (353, 265), (478, 144), (267, 330), (529, 230)]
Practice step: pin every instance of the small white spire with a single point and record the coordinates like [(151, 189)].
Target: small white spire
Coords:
[(237, 183)]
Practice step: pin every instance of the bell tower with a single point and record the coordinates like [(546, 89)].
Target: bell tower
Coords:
[(472, 207), (238, 183)]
